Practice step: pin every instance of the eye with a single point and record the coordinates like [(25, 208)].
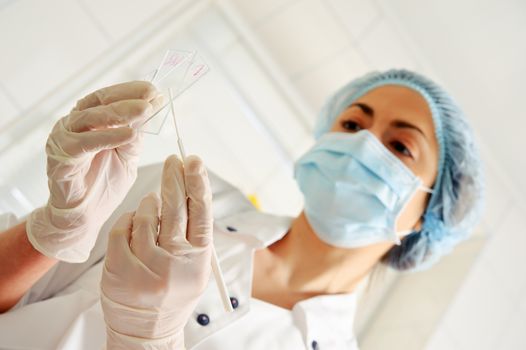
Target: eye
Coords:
[(400, 148), (351, 125)]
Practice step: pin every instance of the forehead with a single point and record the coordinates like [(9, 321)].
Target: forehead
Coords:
[(398, 102)]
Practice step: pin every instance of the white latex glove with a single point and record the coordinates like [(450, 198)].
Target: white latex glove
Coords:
[(92, 157), (158, 261)]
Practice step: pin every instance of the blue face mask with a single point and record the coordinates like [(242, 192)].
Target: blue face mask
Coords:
[(354, 189)]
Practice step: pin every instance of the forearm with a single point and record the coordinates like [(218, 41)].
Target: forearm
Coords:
[(21, 265)]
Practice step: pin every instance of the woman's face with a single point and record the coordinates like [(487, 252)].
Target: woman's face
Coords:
[(401, 119)]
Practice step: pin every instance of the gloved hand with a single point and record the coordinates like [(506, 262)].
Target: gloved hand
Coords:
[(158, 261), (92, 157)]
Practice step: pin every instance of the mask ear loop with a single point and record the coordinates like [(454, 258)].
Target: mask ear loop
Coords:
[(426, 189), (403, 233), (406, 232)]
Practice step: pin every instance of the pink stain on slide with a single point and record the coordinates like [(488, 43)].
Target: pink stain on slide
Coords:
[(174, 60), (198, 69)]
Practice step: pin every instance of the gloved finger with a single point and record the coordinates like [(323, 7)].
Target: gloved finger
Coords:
[(145, 226), (120, 113), (131, 150), (76, 144), (200, 219), (174, 216), (118, 242), (125, 91), (156, 103)]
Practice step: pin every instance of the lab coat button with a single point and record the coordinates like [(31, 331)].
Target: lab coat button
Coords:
[(234, 302), (314, 345), (231, 229), (203, 319)]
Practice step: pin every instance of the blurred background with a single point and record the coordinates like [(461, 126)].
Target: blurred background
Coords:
[(272, 65)]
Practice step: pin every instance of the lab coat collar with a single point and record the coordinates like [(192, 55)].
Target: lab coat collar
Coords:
[(256, 228), (325, 331)]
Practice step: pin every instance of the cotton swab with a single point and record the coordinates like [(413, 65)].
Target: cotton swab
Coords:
[(216, 269)]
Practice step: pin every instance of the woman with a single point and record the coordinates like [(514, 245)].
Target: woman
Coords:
[(394, 177)]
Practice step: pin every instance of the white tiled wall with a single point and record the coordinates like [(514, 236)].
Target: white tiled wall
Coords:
[(357, 16), (490, 304), (391, 53), (117, 18), (317, 45), (512, 336), (7, 108), (41, 55), (499, 199), (323, 44), (505, 255), (285, 36), (258, 12), (415, 303), (475, 317), (320, 81)]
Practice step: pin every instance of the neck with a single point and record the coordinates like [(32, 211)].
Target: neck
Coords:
[(307, 265)]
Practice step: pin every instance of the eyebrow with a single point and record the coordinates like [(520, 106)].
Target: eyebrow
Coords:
[(369, 111), (365, 108)]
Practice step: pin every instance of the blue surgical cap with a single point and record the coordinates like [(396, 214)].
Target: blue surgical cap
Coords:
[(455, 205)]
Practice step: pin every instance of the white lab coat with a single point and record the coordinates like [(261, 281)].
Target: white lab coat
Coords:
[(62, 310)]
